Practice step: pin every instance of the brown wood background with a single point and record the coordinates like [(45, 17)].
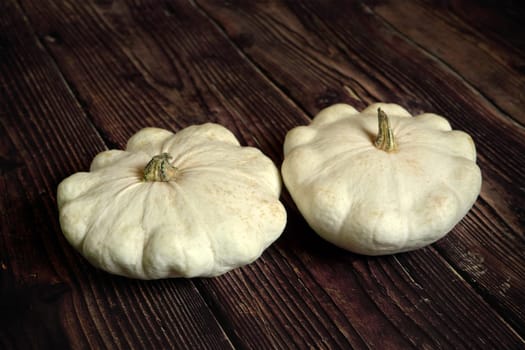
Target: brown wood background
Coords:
[(78, 77)]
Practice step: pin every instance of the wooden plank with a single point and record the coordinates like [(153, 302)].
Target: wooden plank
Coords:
[(368, 335), (340, 75), (423, 299), (475, 237), (486, 65), (297, 60), (484, 251), (254, 27), (499, 22), (200, 61), (298, 293), (50, 298)]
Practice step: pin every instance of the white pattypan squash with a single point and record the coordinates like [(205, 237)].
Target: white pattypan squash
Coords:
[(194, 203), (380, 181)]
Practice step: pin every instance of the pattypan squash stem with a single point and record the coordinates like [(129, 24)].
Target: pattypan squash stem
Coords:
[(385, 137), (160, 169)]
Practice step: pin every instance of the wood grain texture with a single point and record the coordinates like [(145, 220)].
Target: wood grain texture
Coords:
[(408, 294), (483, 63), (500, 21), (223, 84), (207, 75), (49, 297), (499, 189), (83, 76)]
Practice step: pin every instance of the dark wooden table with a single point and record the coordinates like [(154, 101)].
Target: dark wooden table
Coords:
[(79, 77)]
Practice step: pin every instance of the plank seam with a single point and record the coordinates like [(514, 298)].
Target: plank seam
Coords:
[(278, 88), (478, 291), (227, 327), (440, 254), (447, 68), (255, 66), (73, 92)]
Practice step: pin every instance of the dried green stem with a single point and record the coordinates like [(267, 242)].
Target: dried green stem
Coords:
[(385, 137), (160, 169)]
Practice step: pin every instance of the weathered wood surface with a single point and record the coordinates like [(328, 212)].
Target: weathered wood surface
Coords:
[(79, 77)]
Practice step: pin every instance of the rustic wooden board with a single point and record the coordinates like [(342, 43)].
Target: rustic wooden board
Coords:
[(498, 208), (500, 22), (50, 298), (79, 77), (485, 64)]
